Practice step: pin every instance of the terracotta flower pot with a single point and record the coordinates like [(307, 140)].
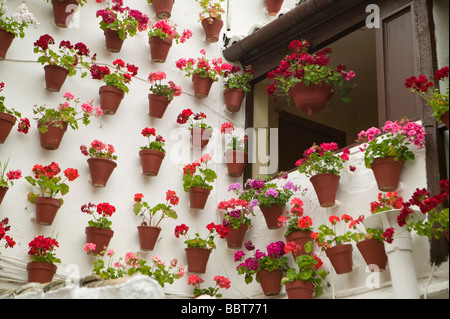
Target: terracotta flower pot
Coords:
[(6, 39), (157, 105), (212, 27), (446, 234), (110, 98), (236, 237), (3, 191), (271, 215), (200, 137), (300, 237), (236, 161), (310, 99), (41, 272), (100, 237), (51, 139), (63, 11), (387, 173), (46, 209), (151, 161), (55, 76), (444, 119), (148, 235), (7, 122), (274, 6), (233, 99), (100, 169), (202, 86), (198, 197), (341, 258), (326, 186), (270, 281), (113, 42), (163, 8), (197, 259), (373, 253), (159, 48), (299, 289)]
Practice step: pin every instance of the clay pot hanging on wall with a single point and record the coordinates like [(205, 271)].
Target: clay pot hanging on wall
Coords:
[(233, 99), (270, 281), (41, 272), (159, 48), (271, 215), (148, 235), (6, 39), (198, 197), (7, 122), (46, 210), (274, 6), (387, 173), (110, 98), (197, 259), (51, 139), (310, 99), (236, 161), (157, 105), (341, 258), (163, 8), (299, 289), (200, 137), (113, 42), (236, 236), (101, 169), (3, 191), (151, 161), (373, 253), (55, 76), (63, 11), (100, 237), (202, 86), (300, 237), (326, 186), (212, 27)]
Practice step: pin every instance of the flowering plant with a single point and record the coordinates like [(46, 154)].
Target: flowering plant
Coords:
[(168, 90), (437, 220), (195, 175), (41, 250), (204, 67), (119, 78), (237, 213), (148, 213), (24, 124), (301, 66), (294, 219), (273, 260), (388, 201), (319, 159), (11, 176), (196, 121), (134, 264), (47, 181), (105, 210), (164, 30), (157, 144), (221, 282), (398, 136), (236, 143), (122, 19), (99, 149), (66, 113), (211, 9), (4, 227), (67, 56), (198, 242), (428, 91), (19, 20), (307, 268), (234, 79), (80, 2), (327, 237)]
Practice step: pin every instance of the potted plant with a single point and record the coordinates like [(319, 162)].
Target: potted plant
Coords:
[(7, 181), (197, 181), (112, 93), (299, 226), (426, 88), (118, 22), (14, 26), (152, 155), (274, 6), (160, 37), (236, 84), (52, 123), (161, 94), (101, 161), (237, 219), (200, 131), (211, 18), (204, 72), (99, 231), (307, 79), (322, 164), (305, 280), (5, 227), (62, 62), (221, 282), (163, 8), (149, 229), (63, 11), (42, 266), (386, 154), (236, 155), (436, 222), (198, 248), (267, 268), (8, 118), (47, 181)]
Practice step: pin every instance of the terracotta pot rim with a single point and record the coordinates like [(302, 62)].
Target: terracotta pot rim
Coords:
[(200, 189), (154, 152), (111, 88), (148, 227), (8, 117), (100, 159), (43, 264), (48, 200), (52, 66), (91, 230)]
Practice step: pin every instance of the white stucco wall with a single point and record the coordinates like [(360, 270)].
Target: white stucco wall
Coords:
[(24, 79)]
